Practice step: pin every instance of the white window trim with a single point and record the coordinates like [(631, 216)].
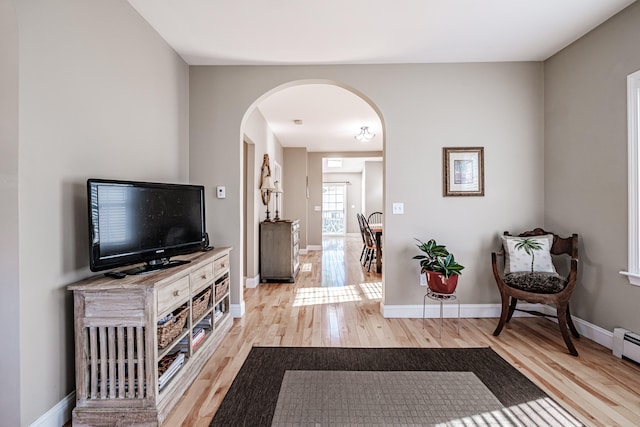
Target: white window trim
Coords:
[(633, 96)]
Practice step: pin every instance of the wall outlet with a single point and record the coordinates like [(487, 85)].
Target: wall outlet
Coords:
[(221, 192), (398, 208), (423, 279)]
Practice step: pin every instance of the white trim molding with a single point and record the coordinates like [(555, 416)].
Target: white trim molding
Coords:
[(59, 414), (252, 282), (237, 310), (634, 279), (450, 310), (633, 112), (476, 311)]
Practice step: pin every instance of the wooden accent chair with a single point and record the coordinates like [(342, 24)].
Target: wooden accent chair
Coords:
[(544, 288)]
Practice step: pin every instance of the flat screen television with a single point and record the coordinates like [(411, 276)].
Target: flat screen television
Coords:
[(143, 222)]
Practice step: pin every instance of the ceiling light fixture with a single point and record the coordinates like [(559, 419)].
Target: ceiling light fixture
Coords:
[(364, 135)]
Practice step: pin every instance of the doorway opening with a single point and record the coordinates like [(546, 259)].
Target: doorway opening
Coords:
[(298, 136), (334, 202)]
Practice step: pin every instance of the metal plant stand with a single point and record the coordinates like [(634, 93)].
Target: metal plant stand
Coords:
[(441, 298)]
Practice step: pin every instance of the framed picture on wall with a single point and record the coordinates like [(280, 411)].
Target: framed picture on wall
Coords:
[(463, 171)]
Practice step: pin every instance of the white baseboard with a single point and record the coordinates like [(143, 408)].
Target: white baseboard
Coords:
[(586, 329), (450, 309), (237, 310), (313, 248), (593, 332), (252, 282), (469, 311), (59, 414)]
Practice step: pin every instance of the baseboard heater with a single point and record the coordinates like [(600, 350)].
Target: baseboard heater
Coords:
[(626, 344)]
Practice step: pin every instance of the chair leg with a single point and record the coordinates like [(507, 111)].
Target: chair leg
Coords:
[(367, 257), (371, 260), (512, 308), (572, 327), (503, 315), (562, 322), (362, 253)]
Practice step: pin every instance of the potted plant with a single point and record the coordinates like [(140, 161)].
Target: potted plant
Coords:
[(440, 267)]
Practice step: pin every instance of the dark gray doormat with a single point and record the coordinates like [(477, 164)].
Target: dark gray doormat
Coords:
[(253, 396)]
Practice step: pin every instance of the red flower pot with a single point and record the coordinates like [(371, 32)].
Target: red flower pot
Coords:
[(440, 284)]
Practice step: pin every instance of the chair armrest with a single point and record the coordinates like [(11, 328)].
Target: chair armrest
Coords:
[(494, 264), (573, 273)]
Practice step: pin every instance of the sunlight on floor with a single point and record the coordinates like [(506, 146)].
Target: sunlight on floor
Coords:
[(372, 290), (541, 412), (306, 267), (330, 295)]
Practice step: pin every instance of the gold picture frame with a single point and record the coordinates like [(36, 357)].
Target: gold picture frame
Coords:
[(463, 171)]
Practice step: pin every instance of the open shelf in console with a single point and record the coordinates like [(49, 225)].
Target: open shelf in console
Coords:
[(221, 310)]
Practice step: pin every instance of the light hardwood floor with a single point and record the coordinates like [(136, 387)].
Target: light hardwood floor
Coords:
[(335, 302)]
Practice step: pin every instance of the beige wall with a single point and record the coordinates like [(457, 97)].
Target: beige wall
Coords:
[(373, 194), (586, 163), (259, 134), (9, 263), (294, 203), (497, 105), (314, 217), (100, 95)]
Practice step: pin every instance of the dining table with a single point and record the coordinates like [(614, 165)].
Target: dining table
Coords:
[(376, 228)]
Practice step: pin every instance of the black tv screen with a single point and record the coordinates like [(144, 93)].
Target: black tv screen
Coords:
[(133, 222)]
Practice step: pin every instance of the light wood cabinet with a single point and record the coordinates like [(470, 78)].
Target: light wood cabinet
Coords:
[(279, 250), (121, 351)]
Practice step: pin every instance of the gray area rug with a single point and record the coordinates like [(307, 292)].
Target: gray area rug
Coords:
[(357, 398), (309, 398), (281, 386)]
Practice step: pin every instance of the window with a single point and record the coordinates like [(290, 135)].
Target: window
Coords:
[(633, 85), (334, 199)]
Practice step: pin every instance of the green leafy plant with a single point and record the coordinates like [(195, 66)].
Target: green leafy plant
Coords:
[(437, 258)]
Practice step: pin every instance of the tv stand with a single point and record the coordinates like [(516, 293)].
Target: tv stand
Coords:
[(155, 265), (133, 362)]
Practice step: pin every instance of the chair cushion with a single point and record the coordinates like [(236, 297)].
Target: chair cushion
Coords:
[(528, 253), (537, 282)]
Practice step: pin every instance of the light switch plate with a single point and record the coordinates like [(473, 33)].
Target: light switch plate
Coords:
[(398, 208)]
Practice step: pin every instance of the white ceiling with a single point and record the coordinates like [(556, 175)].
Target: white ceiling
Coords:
[(283, 32), (224, 32), (331, 117)]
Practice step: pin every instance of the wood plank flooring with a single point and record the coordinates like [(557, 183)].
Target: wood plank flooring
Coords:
[(335, 302)]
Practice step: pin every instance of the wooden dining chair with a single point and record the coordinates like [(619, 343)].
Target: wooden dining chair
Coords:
[(361, 220), (375, 218), (371, 250)]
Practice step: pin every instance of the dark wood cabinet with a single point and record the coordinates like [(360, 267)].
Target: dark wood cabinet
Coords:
[(279, 249)]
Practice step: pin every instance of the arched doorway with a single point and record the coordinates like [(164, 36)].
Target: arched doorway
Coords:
[(303, 106)]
